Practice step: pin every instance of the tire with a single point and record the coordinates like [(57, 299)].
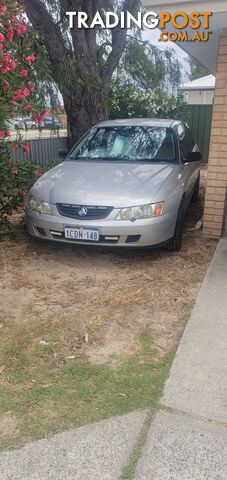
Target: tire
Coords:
[(195, 195), (174, 245)]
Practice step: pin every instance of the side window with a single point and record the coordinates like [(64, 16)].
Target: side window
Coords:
[(186, 140)]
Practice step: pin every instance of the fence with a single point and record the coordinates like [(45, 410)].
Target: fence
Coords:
[(42, 150), (199, 120)]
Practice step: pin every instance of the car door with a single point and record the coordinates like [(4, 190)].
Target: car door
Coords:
[(187, 144)]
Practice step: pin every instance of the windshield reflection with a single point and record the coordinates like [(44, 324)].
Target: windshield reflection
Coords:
[(137, 143)]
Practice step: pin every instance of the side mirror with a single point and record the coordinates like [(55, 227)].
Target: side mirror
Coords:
[(63, 153), (193, 157)]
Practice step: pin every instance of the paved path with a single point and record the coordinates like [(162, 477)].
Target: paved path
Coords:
[(94, 452), (188, 438), (186, 441)]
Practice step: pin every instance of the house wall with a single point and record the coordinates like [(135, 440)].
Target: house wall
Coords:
[(215, 200)]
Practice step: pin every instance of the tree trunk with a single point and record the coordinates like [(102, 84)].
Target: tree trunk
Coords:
[(84, 111), (76, 70)]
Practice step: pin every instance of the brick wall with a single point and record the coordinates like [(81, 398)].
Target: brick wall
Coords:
[(215, 200)]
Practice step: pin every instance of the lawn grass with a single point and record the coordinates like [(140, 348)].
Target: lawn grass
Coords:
[(44, 394)]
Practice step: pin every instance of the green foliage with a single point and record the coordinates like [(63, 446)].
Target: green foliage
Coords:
[(150, 67), (18, 97), (146, 83), (15, 180), (197, 70), (127, 101)]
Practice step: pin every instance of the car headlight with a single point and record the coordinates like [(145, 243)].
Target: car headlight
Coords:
[(142, 211), (39, 206)]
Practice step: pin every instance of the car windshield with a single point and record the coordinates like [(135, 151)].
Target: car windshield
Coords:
[(137, 143)]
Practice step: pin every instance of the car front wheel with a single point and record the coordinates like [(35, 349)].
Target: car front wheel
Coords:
[(174, 245)]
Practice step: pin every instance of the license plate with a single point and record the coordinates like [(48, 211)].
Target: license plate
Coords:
[(82, 233)]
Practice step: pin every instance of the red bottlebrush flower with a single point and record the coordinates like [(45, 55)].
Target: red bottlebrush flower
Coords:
[(28, 106), (9, 26), (17, 30), (25, 92), (23, 73), (13, 115), (26, 148), (13, 170), (30, 58), (39, 116), (9, 36), (8, 63), (7, 133), (1, 47), (23, 28), (15, 146), (20, 94), (3, 9), (7, 59), (2, 37)]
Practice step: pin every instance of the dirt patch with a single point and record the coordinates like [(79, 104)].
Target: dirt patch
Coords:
[(8, 426), (93, 302)]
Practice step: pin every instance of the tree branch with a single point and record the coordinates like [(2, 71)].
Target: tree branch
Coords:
[(119, 36), (89, 6), (84, 43)]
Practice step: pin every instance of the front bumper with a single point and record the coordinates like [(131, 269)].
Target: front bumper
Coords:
[(116, 233)]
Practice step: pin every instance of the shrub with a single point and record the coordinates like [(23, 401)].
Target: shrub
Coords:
[(127, 101), (17, 98)]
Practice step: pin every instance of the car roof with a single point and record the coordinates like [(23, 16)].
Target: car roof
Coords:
[(142, 122)]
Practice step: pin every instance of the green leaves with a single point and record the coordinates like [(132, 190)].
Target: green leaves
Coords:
[(127, 101), (150, 67), (18, 97)]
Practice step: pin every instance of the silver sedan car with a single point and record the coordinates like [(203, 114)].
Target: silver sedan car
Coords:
[(126, 183)]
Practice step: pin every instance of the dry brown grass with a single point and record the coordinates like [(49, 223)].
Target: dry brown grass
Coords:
[(94, 302), (111, 321)]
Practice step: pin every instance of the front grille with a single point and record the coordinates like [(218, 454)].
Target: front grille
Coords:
[(93, 213)]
